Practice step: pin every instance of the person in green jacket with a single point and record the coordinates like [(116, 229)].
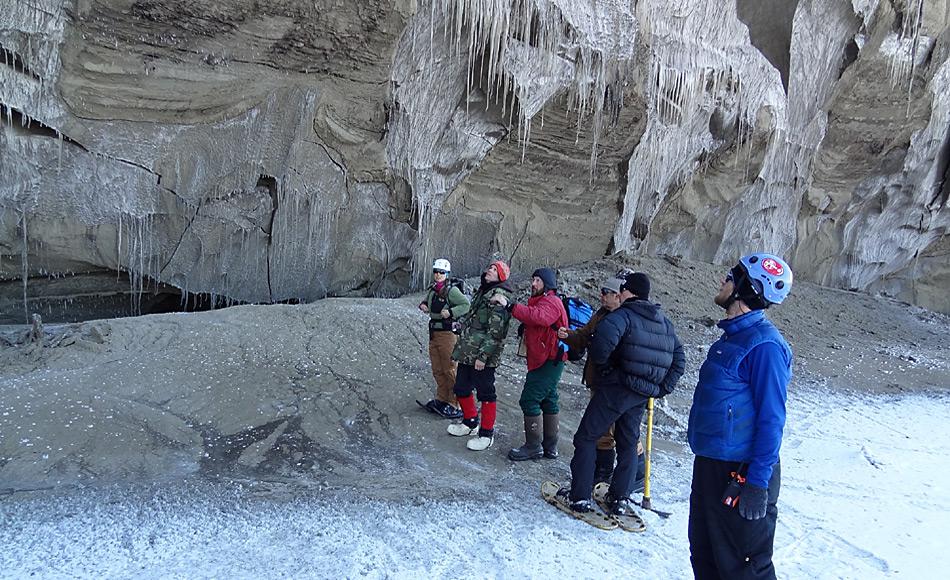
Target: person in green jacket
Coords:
[(478, 353), (445, 303)]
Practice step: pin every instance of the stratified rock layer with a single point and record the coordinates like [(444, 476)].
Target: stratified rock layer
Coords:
[(289, 151)]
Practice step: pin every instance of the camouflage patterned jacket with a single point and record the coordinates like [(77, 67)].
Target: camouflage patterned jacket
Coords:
[(485, 327)]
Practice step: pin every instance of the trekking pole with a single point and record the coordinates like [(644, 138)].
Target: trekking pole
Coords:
[(646, 504), (648, 461)]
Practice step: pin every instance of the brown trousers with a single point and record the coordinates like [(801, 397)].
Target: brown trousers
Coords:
[(443, 367)]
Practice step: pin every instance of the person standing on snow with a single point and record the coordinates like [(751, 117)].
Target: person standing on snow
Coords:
[(478, 353), (445, 304), (736, 424), (579, 340), (543, 315), (639, 356)]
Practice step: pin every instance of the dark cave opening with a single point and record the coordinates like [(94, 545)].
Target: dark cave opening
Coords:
[(98, 295)]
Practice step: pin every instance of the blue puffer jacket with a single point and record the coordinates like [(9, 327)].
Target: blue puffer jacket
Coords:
[(635, 347), (738, 411)]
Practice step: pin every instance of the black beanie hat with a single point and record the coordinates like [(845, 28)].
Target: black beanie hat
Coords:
[(547, 276), (638, 284)]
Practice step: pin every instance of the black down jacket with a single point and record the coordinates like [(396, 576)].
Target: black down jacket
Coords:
[(636, 347)]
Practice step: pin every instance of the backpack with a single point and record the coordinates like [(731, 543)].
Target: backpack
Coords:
[(458, 283), (578, 314)]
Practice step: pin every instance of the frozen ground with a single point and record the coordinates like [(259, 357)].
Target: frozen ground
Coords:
[(865, 496), (284, 441)]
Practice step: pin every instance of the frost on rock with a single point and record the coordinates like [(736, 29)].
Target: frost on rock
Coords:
[(898, 217), (242, 202), (30, 38), (439, 129), (469, 72), (766, 215), (231, 153), (701, 63), (907, 48)]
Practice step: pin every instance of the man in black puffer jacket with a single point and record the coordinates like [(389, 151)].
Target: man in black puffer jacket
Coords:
[(640, 357)]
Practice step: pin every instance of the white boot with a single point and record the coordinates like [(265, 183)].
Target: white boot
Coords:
[(479, 443), (462, 430)]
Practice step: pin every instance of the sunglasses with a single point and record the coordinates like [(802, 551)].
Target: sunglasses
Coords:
[(443, 272)]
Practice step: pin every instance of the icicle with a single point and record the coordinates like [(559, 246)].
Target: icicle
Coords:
[(24, 258), (118, 246), (431, 31), (59, 155)]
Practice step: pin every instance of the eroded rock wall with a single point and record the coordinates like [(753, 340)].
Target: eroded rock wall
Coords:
[(200, 144), (290, 151)]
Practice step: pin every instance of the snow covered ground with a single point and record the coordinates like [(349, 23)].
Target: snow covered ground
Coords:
[(865, 495)]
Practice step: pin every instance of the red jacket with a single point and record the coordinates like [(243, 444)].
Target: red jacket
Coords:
[(539, 337)]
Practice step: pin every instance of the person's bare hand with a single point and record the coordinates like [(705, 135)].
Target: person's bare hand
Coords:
[(479, 365)]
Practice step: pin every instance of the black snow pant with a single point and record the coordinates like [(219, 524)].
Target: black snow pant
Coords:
[(467, 379), (723, 544), (610, 405)]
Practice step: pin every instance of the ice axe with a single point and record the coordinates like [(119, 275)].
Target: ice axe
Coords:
[(648, 455)]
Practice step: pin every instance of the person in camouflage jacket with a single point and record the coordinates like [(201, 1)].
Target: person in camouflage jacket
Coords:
[(478, 352)]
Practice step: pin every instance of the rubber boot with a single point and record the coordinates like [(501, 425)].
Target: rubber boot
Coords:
[(532, 448), (549, 443), (604, 465)]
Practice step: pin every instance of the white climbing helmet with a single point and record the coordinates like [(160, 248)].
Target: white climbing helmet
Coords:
[(442, 264)]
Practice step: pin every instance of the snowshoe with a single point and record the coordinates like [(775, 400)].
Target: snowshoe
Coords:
[(621, 510), (441, 408), (430, 406), (447, 411), (559, 497)]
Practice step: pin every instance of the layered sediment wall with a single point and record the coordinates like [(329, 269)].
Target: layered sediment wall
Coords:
[(275, 151)]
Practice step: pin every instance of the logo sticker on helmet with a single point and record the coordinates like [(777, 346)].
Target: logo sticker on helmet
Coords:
[(772, 267)]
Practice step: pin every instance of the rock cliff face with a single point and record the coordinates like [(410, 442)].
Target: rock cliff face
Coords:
[(266, 151)]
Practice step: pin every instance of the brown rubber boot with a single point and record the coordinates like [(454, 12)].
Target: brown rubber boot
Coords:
[(549, 443), (532, 435)]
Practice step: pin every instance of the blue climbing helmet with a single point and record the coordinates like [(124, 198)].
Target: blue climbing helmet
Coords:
[(770, 276)]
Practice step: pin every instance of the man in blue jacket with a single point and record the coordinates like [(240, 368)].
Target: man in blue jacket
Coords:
[(735, 427), (639, 356)]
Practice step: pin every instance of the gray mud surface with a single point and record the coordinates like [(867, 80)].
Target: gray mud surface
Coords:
[(322, 396)]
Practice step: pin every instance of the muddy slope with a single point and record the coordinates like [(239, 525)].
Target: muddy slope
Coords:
[(325, 392)]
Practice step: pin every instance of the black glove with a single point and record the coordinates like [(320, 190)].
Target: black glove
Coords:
[(753, 501)]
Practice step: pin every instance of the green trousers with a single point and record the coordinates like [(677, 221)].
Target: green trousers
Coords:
[(540, 390)]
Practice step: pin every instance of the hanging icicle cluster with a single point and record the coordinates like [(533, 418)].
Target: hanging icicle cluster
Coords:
[(525, 51), (701, 63), (906, 46)]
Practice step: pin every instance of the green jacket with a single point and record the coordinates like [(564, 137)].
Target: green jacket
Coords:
[(450, 297), (484, 328)]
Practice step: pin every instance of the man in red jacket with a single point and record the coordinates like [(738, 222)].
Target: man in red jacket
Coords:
[(543, 315)]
